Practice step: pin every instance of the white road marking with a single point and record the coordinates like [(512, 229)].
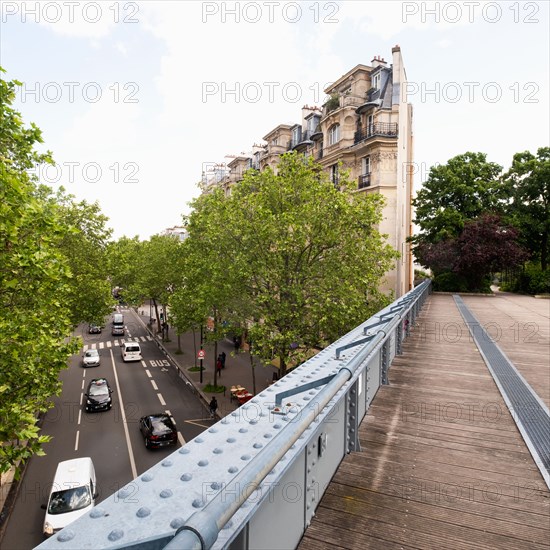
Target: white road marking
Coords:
[(79, 416), (109, 343), (101, 345), (82, 385), (162, 402), (144, 363), (149, 337), (94, 346), (148, 373), (76, 442), (81, 396), (85, 348), (117, 343), (124, 422), (180, 439), (155, 387)]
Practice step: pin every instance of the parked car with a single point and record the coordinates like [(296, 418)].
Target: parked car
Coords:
[(91, 358), (98, 395), (94, 329), (158, 430), (72, 495)]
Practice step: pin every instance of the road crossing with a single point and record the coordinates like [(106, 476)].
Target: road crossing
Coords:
[(116, 343)]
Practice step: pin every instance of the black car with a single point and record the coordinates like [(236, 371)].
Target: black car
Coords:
[(158, 430), (98, 395)]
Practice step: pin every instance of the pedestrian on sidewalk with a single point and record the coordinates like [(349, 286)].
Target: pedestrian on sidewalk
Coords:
[(222, 358), (236, 343), (219, 366), (213, 407)]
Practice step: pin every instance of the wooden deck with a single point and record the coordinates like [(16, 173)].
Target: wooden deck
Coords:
[(442, 463)]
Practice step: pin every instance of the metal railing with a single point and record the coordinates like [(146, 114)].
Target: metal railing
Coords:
[(363, 181), (265, 465), (384, 129)]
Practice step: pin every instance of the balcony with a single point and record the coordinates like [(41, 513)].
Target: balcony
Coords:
[(364, 181), (381, 129)]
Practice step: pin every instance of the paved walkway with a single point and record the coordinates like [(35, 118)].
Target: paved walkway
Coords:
[(238, 370)]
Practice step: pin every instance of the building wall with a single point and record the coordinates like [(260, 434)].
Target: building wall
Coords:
[(374, 123)]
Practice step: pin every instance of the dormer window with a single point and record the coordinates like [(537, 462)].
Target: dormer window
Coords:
[(376, 81), (334, 134)]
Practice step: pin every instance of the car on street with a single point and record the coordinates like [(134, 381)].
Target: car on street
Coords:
[(94, 329), (98, 395), (72, 495), (158, 430), (130, 351), (91, 358)]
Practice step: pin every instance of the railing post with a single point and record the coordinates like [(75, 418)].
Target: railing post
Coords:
[(352, 419)]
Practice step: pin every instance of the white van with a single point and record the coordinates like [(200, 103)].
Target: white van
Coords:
[(73, 494), (131, 351)]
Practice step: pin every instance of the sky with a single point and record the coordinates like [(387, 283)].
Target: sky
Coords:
[(137, 99)]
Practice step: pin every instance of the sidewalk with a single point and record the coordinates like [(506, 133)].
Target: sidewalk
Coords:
[(237, 365)]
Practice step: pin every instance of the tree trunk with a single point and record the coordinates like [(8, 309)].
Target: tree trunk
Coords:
[(252, 367), (179, 344), (157, 314), (195, 346)]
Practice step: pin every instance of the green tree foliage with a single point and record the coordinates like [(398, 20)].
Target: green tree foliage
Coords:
[(529, 185), (296, 259), (35, 280), (460, 190)]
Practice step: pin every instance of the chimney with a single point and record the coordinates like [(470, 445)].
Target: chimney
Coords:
[(377, 61)]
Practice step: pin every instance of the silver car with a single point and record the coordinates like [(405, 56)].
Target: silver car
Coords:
[(91, 358)]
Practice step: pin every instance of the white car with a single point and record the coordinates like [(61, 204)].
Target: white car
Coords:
[(73, 494), (91, 358), (130, 351)]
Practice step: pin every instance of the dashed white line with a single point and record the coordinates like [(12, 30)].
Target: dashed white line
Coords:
[(180, 439), (79, 416), (81, 396), (144, 363), (76, 442), (124, 422), (82, 384), (101, 345), (155, 387), (109, 343), (162, 402), (148, 373)]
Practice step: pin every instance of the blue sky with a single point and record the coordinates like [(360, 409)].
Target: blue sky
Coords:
[(135, 98)]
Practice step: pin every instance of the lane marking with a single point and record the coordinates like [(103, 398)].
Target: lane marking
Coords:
[(180, 439), (124, 421), (82, 384), (144, 363), (81, 396), (85, 348), (109, 343), (101, 345), (162, 402), (76, 442), (155, 387), (148, 373), (79, 416), (196, 423), (94, 346)]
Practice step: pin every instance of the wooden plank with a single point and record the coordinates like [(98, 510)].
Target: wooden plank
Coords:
[(442, 463)]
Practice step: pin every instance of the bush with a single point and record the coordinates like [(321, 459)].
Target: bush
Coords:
[(532, 280), (453, 282)]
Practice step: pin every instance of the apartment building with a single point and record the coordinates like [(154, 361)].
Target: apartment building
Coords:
[(365, 128)]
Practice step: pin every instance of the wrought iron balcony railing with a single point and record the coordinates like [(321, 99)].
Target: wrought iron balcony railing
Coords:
[(364, 181), (383, 129)]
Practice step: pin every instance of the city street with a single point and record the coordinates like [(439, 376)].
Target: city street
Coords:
[(111, 438)]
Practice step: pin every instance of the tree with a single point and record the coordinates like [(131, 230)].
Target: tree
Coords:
[(484, 246), (464, 188), (34, 284), (289, 255), (529, 184)]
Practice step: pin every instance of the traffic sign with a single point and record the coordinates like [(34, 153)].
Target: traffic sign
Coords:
[(201, 354)]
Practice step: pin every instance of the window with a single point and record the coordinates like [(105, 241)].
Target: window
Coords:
[(334, 175), (365, 165), (376, 81), (334, 134), (312, 124), (296, 135), (370, 125)]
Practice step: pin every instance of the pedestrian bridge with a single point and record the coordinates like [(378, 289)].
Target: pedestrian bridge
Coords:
[(453, 453)]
